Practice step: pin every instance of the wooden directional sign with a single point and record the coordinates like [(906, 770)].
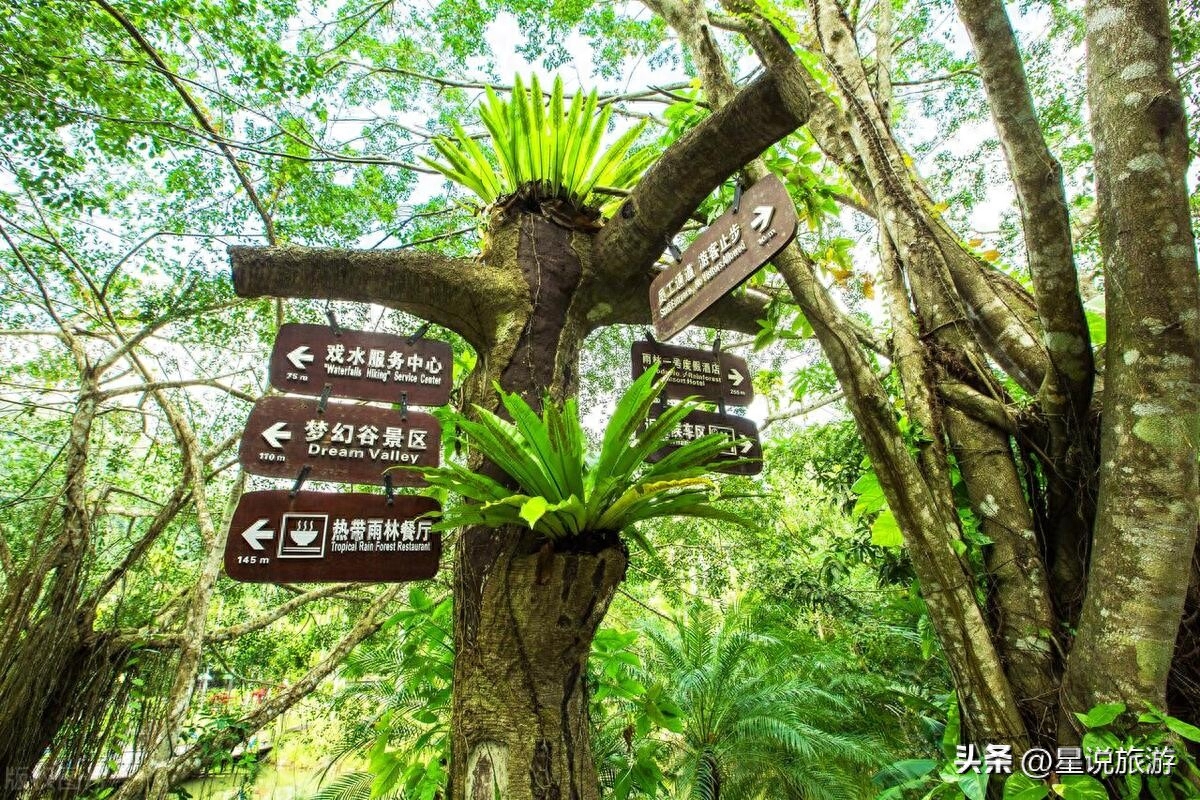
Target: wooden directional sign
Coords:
[(697, 372), (728, 252), (344, 443), (701, 423), (319, 536), (361, 365)]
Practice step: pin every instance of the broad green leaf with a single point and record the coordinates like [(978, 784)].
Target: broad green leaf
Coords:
[(1100, 715), (885, 532), (533, 509), (1081, 787), (1021, 787)]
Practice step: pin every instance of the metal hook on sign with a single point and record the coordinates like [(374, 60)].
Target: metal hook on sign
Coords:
[(674, 250), (649, 336), (329, 315), (328, 390), (419, 333), (717, 345), (721, 405), (303, 476), (388, 488), (404, 406), (737, 194)]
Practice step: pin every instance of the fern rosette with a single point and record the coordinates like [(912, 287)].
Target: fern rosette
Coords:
[(558, 492), (546, 153)]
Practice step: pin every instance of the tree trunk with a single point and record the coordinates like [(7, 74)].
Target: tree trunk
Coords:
[(526, 611), (525, 616), (1147, 516), (1183, 684)]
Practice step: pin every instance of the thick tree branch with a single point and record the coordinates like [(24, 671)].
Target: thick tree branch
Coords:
[(761, 114), (737, 311), (455, 293), (1037, 177), (979, 406)]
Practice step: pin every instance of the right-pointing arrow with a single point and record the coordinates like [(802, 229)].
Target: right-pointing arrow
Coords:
[(762, 218), (277, 434), (300, 356), (736, 378), (256, 534), (747, 446)]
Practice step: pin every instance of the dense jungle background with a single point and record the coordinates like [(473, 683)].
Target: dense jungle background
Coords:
[(977, 371)]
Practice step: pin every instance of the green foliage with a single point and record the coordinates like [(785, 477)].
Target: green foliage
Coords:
[(563, 494), (544, 153), (930, 778), (396, 706), (759, 708)]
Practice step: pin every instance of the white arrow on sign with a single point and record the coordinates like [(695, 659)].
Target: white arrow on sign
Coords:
[(762, 218), (256, 534), (736, 378), (300, 356), (277, 434), (747, 446)]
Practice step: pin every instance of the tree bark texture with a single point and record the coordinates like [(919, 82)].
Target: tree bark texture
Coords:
[(1065, 394), (525, 619), (526, 612), (1146, 520)]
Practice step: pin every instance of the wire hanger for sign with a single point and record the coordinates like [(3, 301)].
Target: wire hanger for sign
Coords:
[(388, 488), (324, 401), (419, 333), (300, 479), (404, 406), (329, 315), (674, 250), (738, 188)]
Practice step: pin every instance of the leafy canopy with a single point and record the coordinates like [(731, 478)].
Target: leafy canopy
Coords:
[(559, 492), (547, 153)]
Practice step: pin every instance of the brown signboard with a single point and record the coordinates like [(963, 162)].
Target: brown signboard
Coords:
[(728, 252), (344, 443), (319, 536), (696, 372), (742, 433), (361, 365)]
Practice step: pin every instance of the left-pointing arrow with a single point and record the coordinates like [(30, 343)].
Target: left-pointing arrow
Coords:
[(300, 356), (256, 534), (277, 434)]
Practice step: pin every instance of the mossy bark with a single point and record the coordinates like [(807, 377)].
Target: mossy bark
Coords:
[(526, 610)]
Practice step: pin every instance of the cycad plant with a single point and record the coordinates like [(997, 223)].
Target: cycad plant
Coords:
[(761, 718), (560, 493), (544, 153)]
